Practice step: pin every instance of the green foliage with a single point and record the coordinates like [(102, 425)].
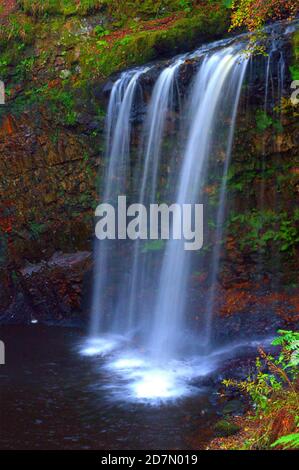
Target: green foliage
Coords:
[(257, 229), (121, 10), (36, 230), (17, 28), (272, 374), (100, 31), (4, 62), (61, 7), (3, 247), (141, 47), (253, 14), (24, 68), (95, 56), (291, 441), (294, 69), (125, 41), (296, 45), (228, 3), (259, 386), (148, 9), (263, 121), (185, 5), (289, 342), (273, 390), (102, 44), (61, 102), (226, 428), (287, 235)]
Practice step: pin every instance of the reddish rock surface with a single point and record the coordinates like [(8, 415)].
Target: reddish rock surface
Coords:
[(7, 6), (49, 291)]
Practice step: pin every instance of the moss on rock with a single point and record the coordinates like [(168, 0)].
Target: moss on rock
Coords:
[(141, 47), (225, 428), (61, 7), (294, 67)]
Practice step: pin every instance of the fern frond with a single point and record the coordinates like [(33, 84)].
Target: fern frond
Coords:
[(291, 441)]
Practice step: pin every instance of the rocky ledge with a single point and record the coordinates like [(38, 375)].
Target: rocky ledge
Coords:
[(48, 292)]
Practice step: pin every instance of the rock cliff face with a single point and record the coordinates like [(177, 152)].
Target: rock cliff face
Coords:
[(48, 190), (51, 161)]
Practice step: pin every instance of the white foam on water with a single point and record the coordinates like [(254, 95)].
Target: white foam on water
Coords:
[(99, 346), (136, 377), (143, 381)]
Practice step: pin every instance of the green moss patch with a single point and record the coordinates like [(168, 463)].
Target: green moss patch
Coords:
[(295, 67), (142, 47), (225, 428), (61, 7)]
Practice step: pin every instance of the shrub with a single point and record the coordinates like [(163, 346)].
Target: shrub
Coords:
[(273, 390), (253, 14)]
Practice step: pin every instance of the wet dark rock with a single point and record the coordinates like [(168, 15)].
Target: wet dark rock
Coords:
[(19, 311), (50, 291), (89, 123), (258, 324), (101, 91), (233, 408), (186, 74)]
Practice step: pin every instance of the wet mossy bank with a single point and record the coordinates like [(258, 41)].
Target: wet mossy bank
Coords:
[(74, 48)]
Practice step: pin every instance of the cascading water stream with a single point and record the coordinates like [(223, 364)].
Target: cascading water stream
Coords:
[(118, 152), (209, 94), (235, 87), (162, 102), (148, 307)]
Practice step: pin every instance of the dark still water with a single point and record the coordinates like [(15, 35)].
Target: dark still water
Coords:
[(52, 397)]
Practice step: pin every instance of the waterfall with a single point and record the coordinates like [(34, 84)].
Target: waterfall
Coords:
[(143, 295), (162, 102), (233, 95), (216, 87), (210, 93), (118, 132)]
